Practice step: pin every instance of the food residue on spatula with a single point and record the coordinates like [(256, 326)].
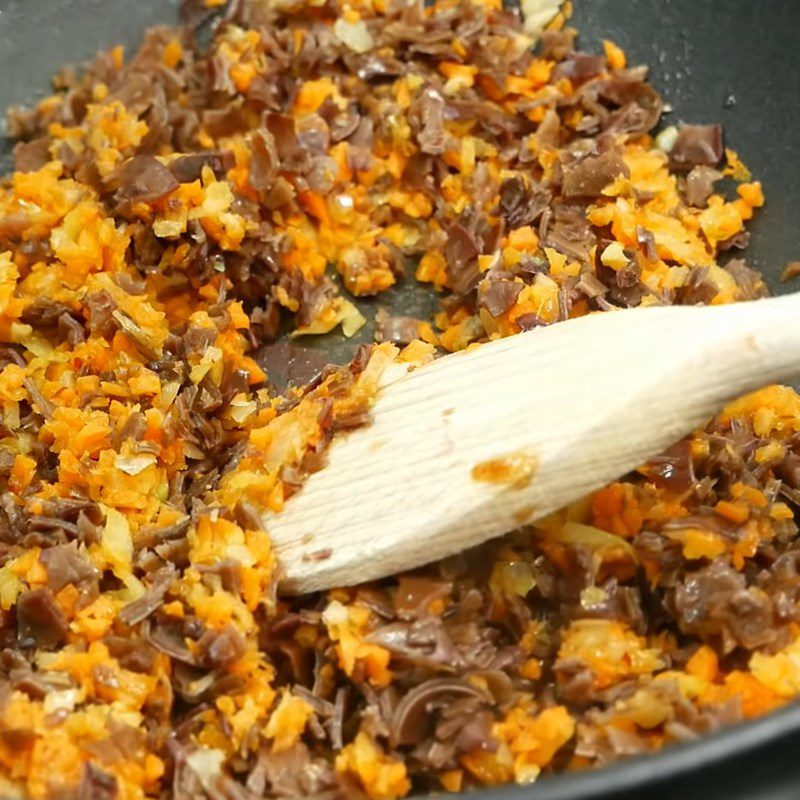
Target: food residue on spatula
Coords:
[(515, 470), (174, 209)]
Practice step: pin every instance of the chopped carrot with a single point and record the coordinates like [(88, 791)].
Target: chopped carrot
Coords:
[(615, 55)]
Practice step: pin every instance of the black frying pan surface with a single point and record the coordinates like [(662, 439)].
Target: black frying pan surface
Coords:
[(730, 61)]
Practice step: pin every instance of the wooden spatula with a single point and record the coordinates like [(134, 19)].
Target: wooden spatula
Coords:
[(478, 443)]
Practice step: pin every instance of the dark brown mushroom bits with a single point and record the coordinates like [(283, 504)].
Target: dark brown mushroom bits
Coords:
[(171, 213)]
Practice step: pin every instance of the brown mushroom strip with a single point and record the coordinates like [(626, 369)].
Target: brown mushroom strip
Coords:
[(142, 179), (190, 167), (590, 176), (65, 565), (415, 710), (697, 145), (151, 600), (498, 296), (40, 622)]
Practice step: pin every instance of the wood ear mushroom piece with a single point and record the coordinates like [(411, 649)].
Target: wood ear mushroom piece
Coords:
[(477, 443)]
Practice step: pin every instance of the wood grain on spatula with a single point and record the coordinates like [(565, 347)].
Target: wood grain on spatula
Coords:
[(478, 443)]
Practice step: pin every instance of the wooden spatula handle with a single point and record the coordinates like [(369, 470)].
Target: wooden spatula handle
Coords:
[(765, 339), (561, 410)]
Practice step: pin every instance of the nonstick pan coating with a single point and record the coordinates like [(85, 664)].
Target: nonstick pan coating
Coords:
[(730, 61)]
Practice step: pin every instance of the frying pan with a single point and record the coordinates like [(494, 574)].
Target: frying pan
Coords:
[(730, 61)]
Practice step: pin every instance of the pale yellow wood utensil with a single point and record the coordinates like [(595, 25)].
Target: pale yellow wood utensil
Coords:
[(478, 443)]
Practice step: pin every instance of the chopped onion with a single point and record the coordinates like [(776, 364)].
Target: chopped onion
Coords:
[(335, 614), (513, 577), (666, 139), (353, 34), (10, 587), (206, 763), (594, 539), (169, 391), (240, 553), (525, 774), (191, 450), (135, 331), (116, 541), (345, 201), (352, 319), (537, 13), (240, 410), (168, 228), (592, 597), (64, 700), (614, 256), (133, 465), (133, 590)]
